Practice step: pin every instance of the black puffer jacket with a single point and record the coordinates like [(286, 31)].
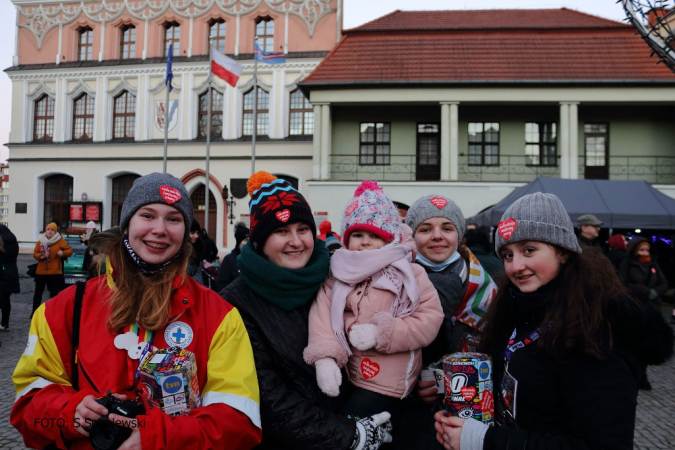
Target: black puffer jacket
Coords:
[(295, 413), (9, 272), (641, 278), (579, 404), (228, 271)]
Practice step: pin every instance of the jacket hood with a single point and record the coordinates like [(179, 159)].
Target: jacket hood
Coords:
[(633, 242), (325, 227)]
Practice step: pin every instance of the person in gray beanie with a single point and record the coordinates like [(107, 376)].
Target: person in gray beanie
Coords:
[(565, 340), (438, 229)]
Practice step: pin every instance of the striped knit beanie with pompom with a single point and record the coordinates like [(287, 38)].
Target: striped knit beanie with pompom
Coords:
[(372, 211), (274, 203)]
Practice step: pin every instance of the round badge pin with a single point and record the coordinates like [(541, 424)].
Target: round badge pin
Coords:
[(178, 334)]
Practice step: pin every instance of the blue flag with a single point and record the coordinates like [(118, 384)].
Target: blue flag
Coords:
[(269, 57), (169, 72)]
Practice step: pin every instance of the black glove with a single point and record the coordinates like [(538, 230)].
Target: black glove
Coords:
[(371, 432)]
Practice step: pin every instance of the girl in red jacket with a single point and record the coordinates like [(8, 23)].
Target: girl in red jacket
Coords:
[(376, 311)]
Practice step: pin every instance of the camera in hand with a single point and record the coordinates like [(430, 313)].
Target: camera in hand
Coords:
[(106, 435)]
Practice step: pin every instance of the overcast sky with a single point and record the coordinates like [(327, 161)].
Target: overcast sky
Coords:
[(356, 12)]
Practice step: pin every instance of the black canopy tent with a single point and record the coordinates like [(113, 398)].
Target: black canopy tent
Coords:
[(619, 204)]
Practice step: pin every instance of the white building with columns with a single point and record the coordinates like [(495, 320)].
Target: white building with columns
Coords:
[(472, 104), (88, 103)]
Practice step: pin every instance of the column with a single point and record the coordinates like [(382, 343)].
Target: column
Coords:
[(316, 155), (574, 140), (454, 141), (564, 140), (445, 141), (325, 141), (449, 141)]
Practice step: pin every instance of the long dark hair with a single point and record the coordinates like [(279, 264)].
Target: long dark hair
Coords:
[(574, 319)]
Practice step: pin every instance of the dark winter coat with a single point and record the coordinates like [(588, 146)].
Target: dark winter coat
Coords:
[(641, 278), (581, 403), (295, 413), (9, 272), (210, 249), (616, 256), (228, 271)]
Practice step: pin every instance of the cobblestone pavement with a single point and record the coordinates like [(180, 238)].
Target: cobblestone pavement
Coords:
[(656, 409)]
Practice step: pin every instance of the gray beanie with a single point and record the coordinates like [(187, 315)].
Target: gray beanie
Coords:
[(435, 206), (157, 188), (537, 217)]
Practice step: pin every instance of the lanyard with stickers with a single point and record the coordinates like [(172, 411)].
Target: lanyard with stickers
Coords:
[(509, 385)]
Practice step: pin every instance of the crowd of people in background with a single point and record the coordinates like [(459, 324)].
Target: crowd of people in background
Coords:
[(330, 332)]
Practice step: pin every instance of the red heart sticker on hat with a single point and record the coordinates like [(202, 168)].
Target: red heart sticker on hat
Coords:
[(369, 369), (169, 194), (284, 215), (438, 202), (468, 392), (506, 228), (351, 208)]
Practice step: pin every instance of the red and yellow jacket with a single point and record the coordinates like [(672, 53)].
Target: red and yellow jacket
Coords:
[(44, 408)]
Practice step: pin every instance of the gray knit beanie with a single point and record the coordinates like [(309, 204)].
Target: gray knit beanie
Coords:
[(537, 217), (435, 206), (157, 188)]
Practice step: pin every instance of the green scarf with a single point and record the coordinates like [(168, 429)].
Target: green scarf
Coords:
[(285, 288)]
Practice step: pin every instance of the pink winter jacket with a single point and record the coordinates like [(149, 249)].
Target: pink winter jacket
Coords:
[(392, 367)]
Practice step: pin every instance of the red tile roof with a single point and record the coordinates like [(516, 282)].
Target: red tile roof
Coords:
[(488, 19), (560, 46)]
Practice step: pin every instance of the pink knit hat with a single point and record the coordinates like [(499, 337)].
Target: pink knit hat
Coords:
[(372, 211)]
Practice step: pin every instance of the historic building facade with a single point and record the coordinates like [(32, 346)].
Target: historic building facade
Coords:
[(88, 103)]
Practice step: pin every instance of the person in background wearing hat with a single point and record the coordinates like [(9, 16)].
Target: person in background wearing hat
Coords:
[(145, 301), (589, 230), (194, 267), (645, 280), (461, 281), (282, 267), (326, 227), (617, 249), (9, 273), (49, 252), (332, 242), (229, 270), (377, 309), (89, 253), (565, 341)]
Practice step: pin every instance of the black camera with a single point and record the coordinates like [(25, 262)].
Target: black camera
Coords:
[(106, 435)]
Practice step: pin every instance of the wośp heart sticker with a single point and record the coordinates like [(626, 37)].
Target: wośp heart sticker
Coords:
[(284, 215), (438, 202), (169, 194), (506, 228), (369, 369), (351, 208), (468, 392)]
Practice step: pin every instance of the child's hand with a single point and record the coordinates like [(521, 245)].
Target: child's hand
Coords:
[(364, 337), (328, 376)]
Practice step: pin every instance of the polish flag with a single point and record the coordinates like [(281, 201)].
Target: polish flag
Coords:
[(226, 68)]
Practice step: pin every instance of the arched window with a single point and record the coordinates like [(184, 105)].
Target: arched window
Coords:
[(43, 119), (124, 115), (301, 115), (263, 113), (199, 209), (171, 36), (216, 113), (57, 198), (264, 31), (128, 42), (217, 34), (85, 43), (83, 118), (120, 188)]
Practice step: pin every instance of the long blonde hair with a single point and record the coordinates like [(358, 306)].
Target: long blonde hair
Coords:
[(137, 297)]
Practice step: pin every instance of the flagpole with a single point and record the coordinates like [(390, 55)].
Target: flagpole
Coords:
[(255, 105), (208, 143), (166, 113)]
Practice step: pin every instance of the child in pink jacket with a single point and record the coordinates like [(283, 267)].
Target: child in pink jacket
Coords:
[(375, 312)]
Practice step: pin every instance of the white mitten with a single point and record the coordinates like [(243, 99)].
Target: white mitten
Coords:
[(364, 337), (328, 376)]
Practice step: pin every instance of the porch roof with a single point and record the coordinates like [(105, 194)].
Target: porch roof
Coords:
[(492, 47)]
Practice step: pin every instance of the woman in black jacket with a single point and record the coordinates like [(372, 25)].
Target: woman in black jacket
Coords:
[(565, 340), (229, 270), (9, 277), (282, 267)]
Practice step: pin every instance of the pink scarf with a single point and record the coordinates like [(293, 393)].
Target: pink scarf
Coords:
[(390, 270)]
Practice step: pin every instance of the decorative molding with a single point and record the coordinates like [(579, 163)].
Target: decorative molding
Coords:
[(41, 18), (122, 86)]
